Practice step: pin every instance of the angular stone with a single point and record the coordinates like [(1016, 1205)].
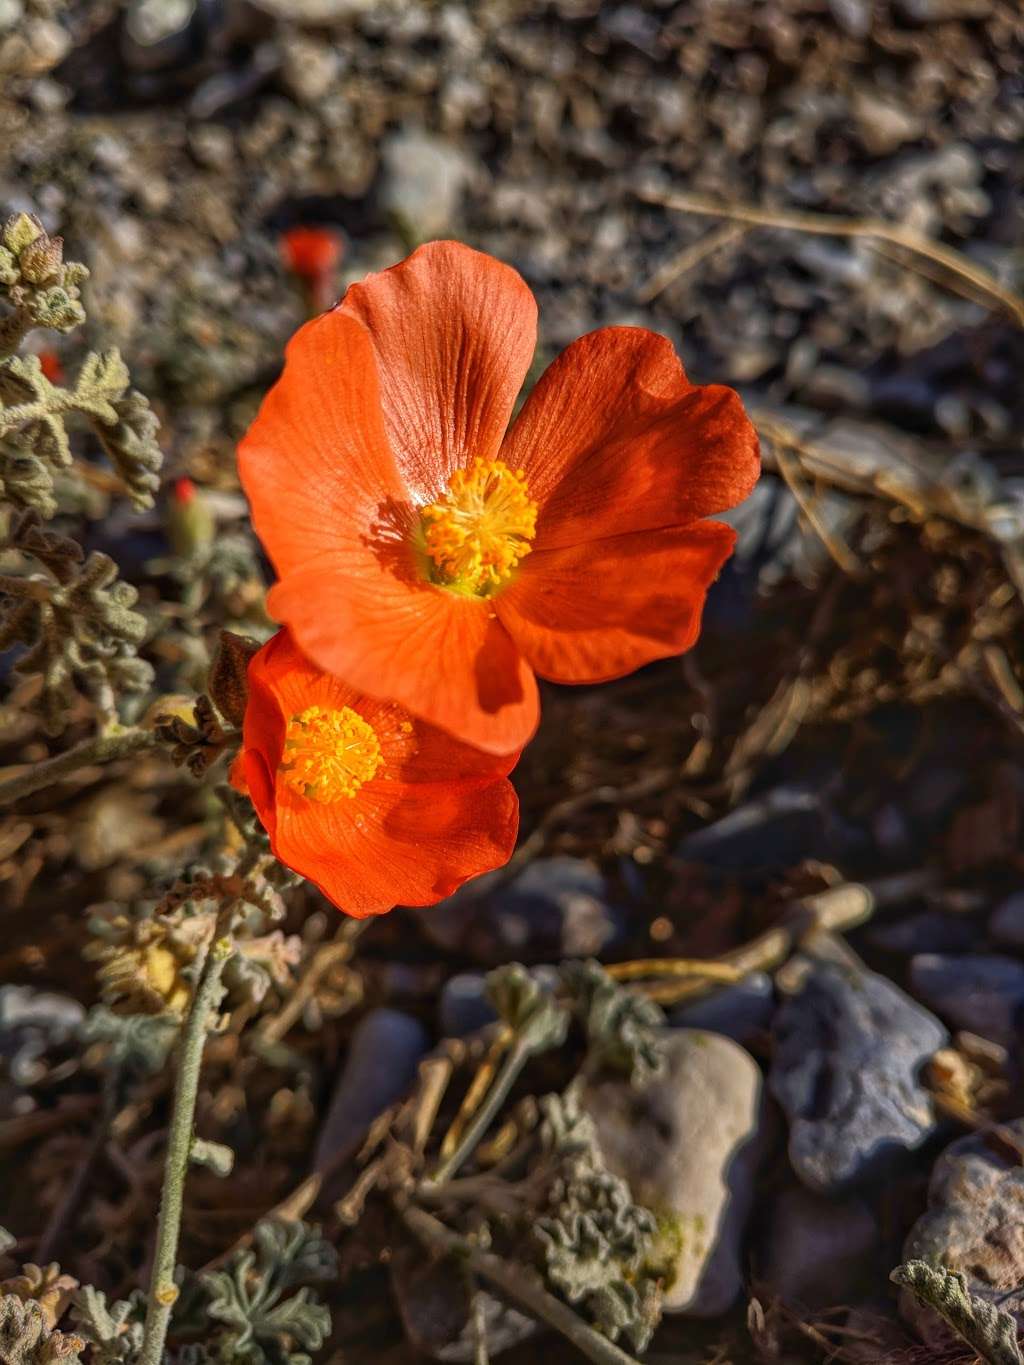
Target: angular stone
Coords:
[(849, 1046), (974, 1224)]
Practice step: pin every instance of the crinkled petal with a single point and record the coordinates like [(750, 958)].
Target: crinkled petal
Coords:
[(454, 333), (596, 611), (614, 438), (408, 845)]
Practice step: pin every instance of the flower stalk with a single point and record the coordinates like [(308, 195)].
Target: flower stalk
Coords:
[(162, 1290)]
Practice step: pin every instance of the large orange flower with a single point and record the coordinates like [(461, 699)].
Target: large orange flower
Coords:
[(428, 555), (373, 805)]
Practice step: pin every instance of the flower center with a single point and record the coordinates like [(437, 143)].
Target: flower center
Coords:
[(328, 755), (481, 528)]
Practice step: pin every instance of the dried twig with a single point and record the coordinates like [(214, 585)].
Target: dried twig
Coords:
[(690, 256), (961, 270), (513, 1284)]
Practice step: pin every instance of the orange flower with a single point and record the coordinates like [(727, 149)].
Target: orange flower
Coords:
[(374, 806), (426, 555)]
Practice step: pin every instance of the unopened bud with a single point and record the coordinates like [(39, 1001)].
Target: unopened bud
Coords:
[(41, 260), (49, 363), (227, 683), (190, 523), (314, 254), (19, 230)]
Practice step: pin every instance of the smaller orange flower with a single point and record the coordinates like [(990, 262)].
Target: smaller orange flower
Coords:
[(374, 806)]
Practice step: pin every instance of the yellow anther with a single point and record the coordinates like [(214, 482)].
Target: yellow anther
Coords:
[(328, 755), (481, 528)]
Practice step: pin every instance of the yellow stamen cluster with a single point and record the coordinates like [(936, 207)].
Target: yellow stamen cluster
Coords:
[(481, 528), (328, 755)]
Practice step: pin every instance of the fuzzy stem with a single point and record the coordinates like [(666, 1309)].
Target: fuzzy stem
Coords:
[(13, 328), (103, 749), (513, 1284), (513, 1064), (162, 1289)]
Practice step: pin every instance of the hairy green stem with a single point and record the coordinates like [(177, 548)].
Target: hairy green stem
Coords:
[(514, 1062), (162, 1289), (512, 1283), (103, 749)]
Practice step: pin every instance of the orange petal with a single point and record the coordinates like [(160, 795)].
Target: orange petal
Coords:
[(454, 332), (315, 463), (445, 658), (599, 610), (614, 438)]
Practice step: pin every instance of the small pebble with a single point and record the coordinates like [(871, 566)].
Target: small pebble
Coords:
[(381, 1065), (983, 993), (739, 1012)]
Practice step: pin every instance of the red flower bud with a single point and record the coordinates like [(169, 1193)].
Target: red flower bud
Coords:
[(314, 254)]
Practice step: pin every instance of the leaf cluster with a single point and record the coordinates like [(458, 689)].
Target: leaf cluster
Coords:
[(42, 290), (986, 1328), (258, 1309), (26, 1339), (76, 623), (595, 1241)]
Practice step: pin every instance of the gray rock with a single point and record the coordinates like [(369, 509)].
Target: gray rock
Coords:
[(383, 1056), (883, 124), (849, 1045), (31, 1022), (929, 931), (424, 177), (1007, 922), (738, 1012), (687, 1145), (556, 907), (816, 1248), (309, 69), (852, 15), (973, 1224), (435, 1309), (775, 830), (463, 1007), (984, 994)]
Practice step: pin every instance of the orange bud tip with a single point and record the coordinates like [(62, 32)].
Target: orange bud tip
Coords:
[(311, 252), (49, 363), (185, 491)]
